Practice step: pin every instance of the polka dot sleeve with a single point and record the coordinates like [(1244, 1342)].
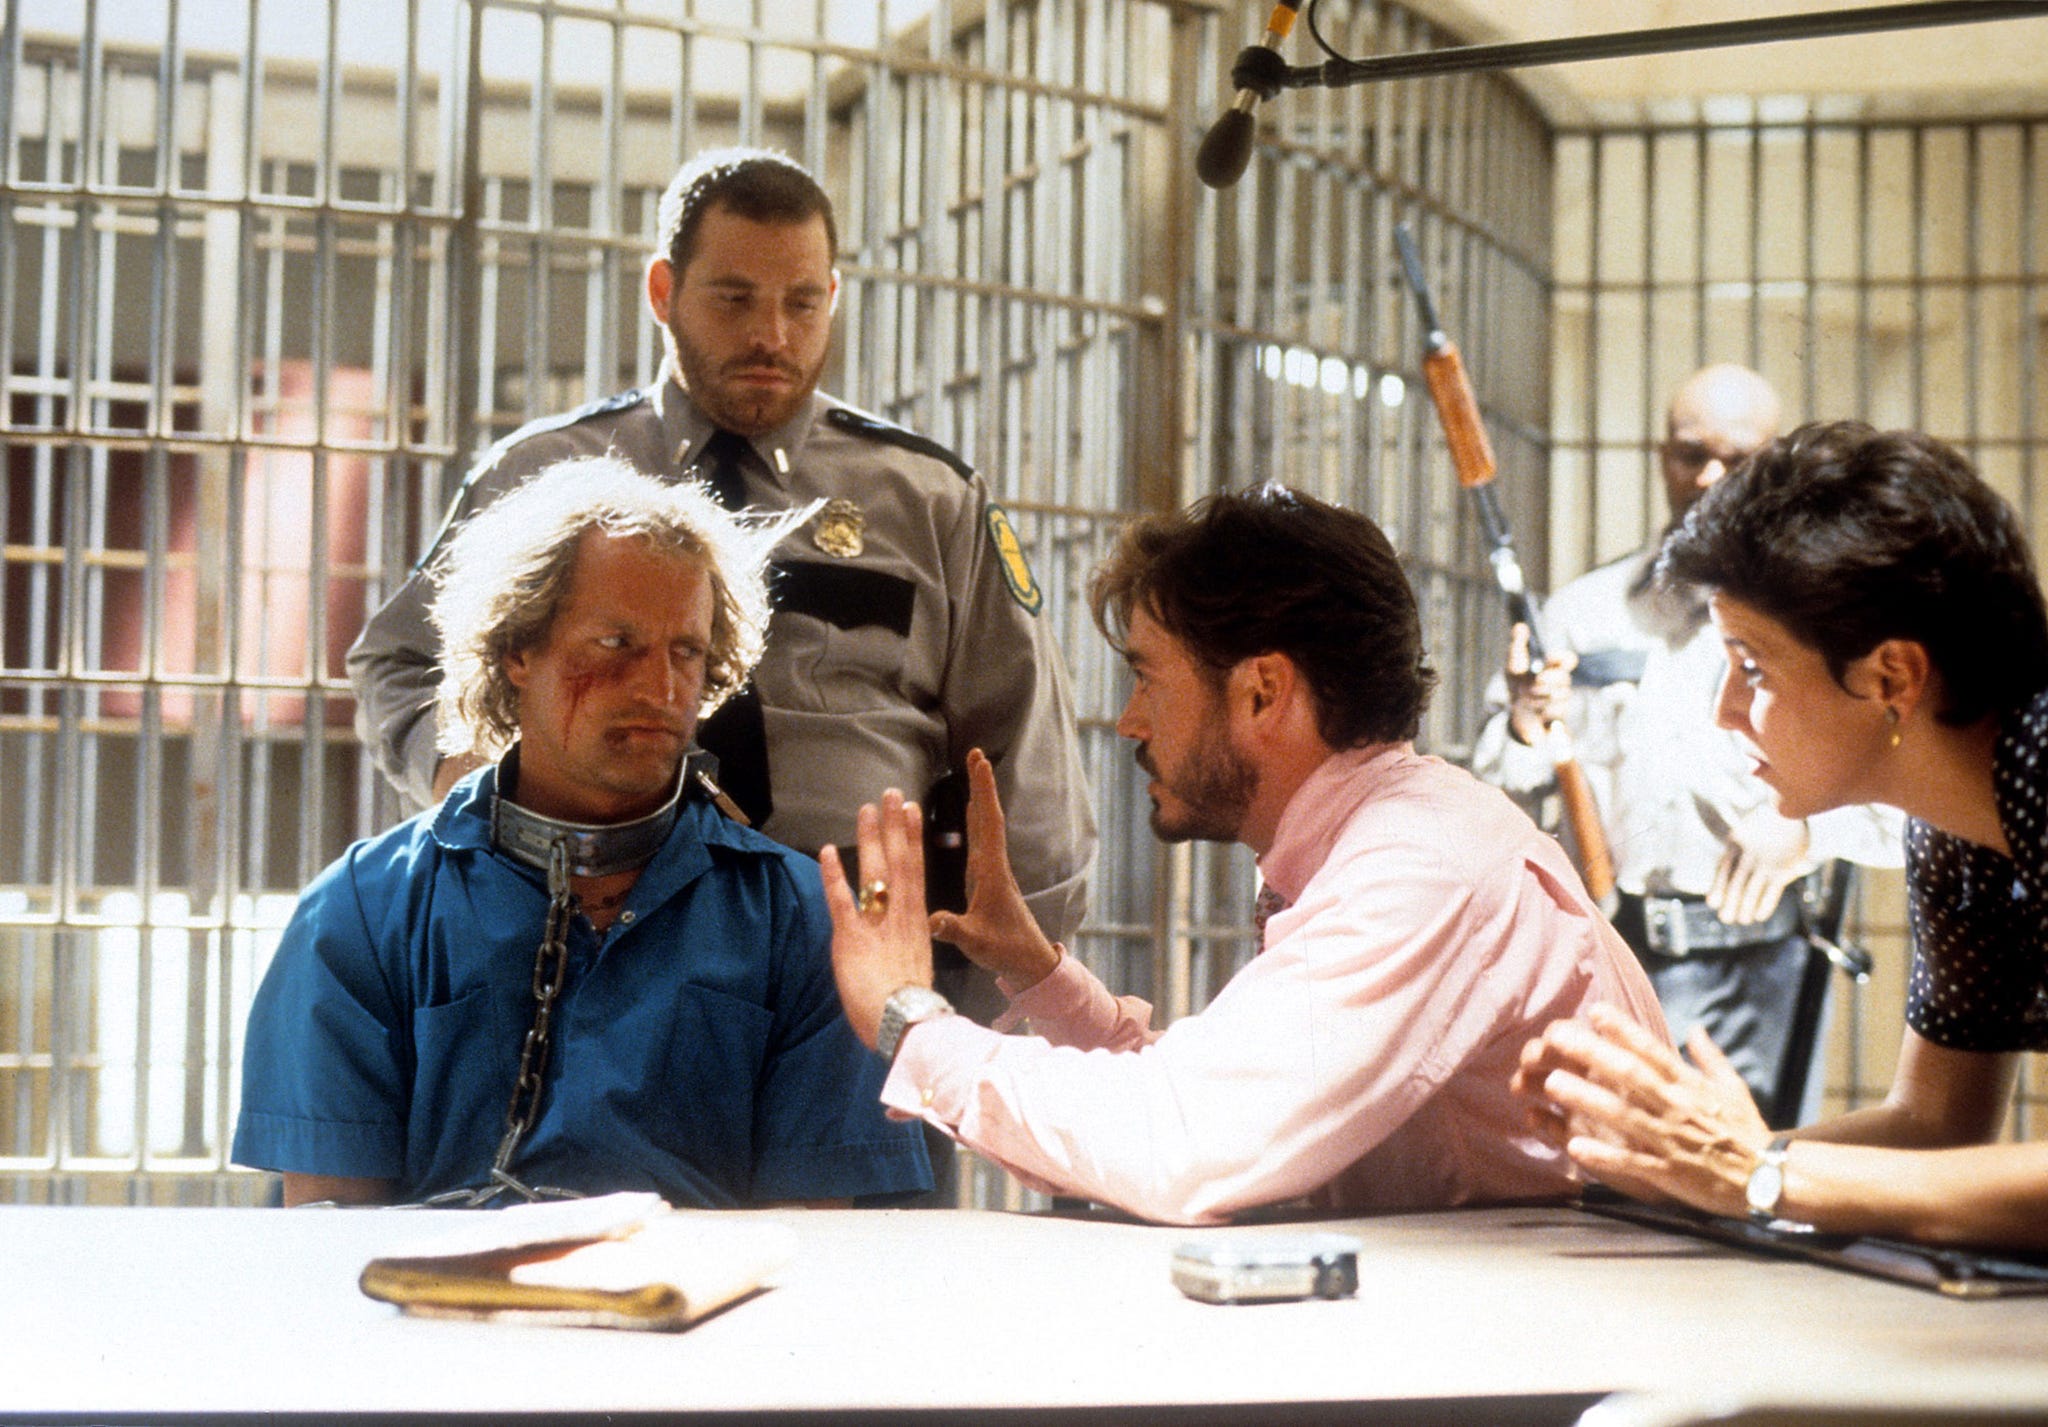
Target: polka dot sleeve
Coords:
[(1979, 979)]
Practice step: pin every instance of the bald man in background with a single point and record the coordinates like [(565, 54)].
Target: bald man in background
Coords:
[(1707, 873)]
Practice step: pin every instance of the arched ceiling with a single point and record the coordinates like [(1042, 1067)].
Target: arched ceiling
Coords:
[(1998, 67)]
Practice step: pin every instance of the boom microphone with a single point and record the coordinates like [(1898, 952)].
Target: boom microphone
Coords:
[(1260, 73), (1227, 147)]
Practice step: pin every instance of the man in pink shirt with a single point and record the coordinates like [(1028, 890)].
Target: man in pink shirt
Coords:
[(1426, 929)]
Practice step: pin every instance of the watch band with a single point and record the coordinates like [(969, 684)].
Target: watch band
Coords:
[(906, 1006)]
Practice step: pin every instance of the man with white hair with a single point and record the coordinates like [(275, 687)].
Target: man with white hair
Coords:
[(575, 974)]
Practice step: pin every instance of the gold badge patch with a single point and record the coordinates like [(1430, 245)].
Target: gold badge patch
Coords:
[(1016, 569), (840, 529)]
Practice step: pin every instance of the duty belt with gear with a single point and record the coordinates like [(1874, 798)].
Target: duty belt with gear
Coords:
[(1681, 927)]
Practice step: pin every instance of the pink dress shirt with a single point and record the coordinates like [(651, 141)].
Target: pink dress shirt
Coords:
[(1361, 1061)]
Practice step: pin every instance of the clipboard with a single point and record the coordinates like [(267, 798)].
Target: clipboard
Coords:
[(1951, 1272)]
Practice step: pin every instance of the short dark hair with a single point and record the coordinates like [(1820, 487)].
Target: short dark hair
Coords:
[(759, 185), (1849, 536), (1270, 570)]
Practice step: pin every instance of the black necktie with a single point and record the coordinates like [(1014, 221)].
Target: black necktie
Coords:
[(736, 735), (722, 465)]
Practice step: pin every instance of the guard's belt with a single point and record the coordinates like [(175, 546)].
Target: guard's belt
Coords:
[(1679, 927), (1597, 668)]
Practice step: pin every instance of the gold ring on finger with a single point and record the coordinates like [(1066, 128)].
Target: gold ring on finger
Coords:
[(874, 897)]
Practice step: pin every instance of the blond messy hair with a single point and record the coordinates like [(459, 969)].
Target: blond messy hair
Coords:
[(501, 578)]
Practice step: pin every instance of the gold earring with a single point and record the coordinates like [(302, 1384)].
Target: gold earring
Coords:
[(1891, 718)]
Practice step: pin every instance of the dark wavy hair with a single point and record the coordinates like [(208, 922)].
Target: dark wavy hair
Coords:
[(759, 185), (1270, 570), (1849, 536)]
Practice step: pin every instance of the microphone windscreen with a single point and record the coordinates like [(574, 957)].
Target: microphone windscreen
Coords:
[(1226, 149)]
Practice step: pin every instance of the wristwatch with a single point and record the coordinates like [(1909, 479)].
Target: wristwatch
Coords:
[(1767, 1181), (906, 1006)]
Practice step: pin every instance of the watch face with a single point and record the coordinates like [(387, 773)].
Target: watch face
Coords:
[(915, 1003), (906, 1006), (1766, 1183)]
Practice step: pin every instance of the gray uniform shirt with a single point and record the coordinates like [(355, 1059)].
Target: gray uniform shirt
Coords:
[(883, 667)]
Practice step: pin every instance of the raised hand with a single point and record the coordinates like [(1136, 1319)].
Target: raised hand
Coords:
[(879, 940), (1764, 855), (997, 932), (1538, 694)]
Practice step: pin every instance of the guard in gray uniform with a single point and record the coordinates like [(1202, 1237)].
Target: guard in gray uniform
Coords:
[(907, 627)]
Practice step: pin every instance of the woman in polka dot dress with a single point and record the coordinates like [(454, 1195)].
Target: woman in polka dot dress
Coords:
[(1887, 643)]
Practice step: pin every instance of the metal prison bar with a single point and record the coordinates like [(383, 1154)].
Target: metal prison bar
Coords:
[(268, 285), (266, 289)]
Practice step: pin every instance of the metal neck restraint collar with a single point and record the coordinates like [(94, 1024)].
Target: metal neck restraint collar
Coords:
[(594, 850)]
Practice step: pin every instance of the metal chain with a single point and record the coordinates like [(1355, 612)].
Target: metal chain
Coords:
[(550, 970)]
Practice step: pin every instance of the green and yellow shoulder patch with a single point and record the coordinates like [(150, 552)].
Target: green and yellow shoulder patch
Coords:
[(1016, 569)]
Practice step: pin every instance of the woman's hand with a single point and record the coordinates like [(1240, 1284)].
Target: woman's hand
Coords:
[(1632, 1114)]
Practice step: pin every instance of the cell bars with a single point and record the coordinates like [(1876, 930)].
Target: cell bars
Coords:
[(273, 273)]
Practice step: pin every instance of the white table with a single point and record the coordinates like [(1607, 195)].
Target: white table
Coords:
[(146, 1314)]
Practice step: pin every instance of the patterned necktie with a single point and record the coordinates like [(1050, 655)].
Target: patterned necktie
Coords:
[(735, 735), (1269, 902)]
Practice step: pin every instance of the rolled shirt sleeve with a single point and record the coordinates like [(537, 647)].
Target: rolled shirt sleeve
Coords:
[(325, 1072)]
